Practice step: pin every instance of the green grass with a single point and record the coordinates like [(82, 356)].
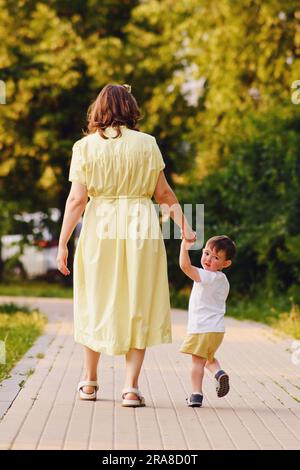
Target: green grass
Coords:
[(19, 328), (260, 307), (35, 289), (277, 311), (289, 322)]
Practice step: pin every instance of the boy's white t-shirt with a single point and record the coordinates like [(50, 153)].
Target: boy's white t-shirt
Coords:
[(207, 305)]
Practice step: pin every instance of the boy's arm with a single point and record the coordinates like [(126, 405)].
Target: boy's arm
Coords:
[(185, 262)]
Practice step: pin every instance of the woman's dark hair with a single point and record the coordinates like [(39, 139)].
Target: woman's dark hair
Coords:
[(114, 106)]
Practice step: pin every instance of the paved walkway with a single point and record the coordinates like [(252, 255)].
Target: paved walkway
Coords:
[(262, 410)]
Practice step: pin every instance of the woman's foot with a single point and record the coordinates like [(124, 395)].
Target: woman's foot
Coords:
[(132, 397), (89, 389), (88, 385)]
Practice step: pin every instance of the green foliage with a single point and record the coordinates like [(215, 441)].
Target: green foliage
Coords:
[(254, 198), (51, 70), (275, 310), (231, 143), (289, 322), (243, 56), (10, 308), (258, 305), (179, 298)]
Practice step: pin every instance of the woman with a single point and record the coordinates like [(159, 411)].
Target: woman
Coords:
[(121, 295)]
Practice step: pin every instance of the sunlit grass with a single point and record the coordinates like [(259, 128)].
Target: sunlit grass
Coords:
[(289, 322), (35, 289), (19, 328)]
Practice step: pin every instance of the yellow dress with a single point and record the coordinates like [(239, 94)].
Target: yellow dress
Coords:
[(121, 293)]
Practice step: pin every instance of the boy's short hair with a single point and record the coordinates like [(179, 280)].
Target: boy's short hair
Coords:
[(223, 243)]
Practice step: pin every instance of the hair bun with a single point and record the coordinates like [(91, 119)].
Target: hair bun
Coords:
[(128, 87)]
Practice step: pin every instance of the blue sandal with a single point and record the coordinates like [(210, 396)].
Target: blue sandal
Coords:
[(195, 400), (222, 383)]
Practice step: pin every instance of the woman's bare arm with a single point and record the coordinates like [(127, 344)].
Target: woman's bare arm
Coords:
[(75, 206), (164, 195)]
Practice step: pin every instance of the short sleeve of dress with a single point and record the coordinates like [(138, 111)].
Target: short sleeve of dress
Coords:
[(157, 158), (77, 170)]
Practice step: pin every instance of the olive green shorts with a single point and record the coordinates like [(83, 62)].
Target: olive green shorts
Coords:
[(202, 344)]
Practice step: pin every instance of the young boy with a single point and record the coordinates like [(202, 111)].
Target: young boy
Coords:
[(206, 312)]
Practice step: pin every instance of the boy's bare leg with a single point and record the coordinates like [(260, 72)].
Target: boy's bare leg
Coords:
[(222, 378), (197, 373), (213, 366)]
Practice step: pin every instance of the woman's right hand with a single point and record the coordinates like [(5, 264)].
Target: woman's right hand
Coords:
[(61, 260)]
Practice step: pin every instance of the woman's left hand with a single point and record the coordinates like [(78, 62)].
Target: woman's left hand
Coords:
[(61, 260), (189, 235)]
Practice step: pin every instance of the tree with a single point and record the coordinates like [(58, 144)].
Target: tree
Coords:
[(49, 68)]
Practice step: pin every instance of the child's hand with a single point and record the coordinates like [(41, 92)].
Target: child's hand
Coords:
[(187, 245)]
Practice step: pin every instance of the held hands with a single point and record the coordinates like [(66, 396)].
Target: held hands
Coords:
[(188, 237), (187, 245), (61, 260)]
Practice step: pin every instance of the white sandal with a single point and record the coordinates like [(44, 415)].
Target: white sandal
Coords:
[(87, 396), (133, 403)]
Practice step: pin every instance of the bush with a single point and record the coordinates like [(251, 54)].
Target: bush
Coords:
[(254, 198)]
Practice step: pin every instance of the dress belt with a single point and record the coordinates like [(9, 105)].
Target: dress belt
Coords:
[(120, 197)]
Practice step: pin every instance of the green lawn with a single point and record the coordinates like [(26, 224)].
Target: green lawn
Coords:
[(35, 289), (278, 311), (19, 328)]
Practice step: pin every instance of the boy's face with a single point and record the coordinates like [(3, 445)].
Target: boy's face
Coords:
[(213, 260)]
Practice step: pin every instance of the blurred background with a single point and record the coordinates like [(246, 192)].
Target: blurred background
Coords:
[(217, 85)]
